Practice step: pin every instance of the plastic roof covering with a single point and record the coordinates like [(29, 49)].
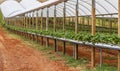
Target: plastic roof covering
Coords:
[(9, 7), (31, 4), (34, 7), (102, 7), (84, 8)]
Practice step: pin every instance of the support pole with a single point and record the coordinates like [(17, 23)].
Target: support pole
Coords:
[(64, 47), (47, 21), (41, 20), (32, 25), (119, 60), (93, 18), (119, 18), (93, 33), (27, 20), (93, 57), (100, 57), (76, 19), (55, 18), (36, 20), (55, 44), (64, 16), (76, 51)]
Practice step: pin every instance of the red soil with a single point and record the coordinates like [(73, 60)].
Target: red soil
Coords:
[(17, 56)]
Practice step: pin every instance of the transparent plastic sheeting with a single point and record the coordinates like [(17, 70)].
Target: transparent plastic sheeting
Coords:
[(85, 8)]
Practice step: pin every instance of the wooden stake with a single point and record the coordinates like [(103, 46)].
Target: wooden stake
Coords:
[(64, 47), (36, 20), (93, 18), (76, 51), (93, 57), (41, 19), (47, 19), (55, 19), (64, 16), (76, 19), (55, 44), (119, 18), (119, 60)]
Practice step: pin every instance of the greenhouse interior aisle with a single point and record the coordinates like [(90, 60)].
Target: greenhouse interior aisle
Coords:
[(16, 56)]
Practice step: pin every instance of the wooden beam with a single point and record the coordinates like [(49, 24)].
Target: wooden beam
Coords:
[(93, 18), (119, 18)]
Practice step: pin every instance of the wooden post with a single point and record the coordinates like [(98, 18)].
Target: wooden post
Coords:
[(55, 18), (55, 44), (119, 18), (76, 19), (47, 19), (41, 19), (93, 33), (32, 20), (119, 60), (110, 26), (93, 18), (93, 57), (36, 20), (76, 51), (64, 16), (27, 20), (64, 47)]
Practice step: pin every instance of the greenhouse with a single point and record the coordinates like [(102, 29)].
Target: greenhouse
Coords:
[(94, 24)]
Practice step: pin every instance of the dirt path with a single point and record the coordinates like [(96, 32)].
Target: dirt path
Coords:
[(16, 56)]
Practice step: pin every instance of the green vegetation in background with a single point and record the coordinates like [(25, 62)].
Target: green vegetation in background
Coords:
[(2, 22)]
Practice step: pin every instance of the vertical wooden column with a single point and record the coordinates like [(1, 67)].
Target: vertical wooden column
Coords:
[(119, 60), (64, 16), (55, 44), (33, 24), (110, 26), (41, 20), (119, 18), (118, 33), (76, 19), (24, 21), (55, 19), (93, 18), (93, 33), (64, 47), (27, 20), (93, 57), (36, 20), (47, 19)]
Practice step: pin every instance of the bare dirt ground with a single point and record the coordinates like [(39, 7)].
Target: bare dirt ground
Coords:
[(17, 56)]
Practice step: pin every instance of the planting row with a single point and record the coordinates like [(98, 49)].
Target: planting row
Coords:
[(104, 38)]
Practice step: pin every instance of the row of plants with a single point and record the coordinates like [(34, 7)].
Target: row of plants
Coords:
[(104, 38)]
